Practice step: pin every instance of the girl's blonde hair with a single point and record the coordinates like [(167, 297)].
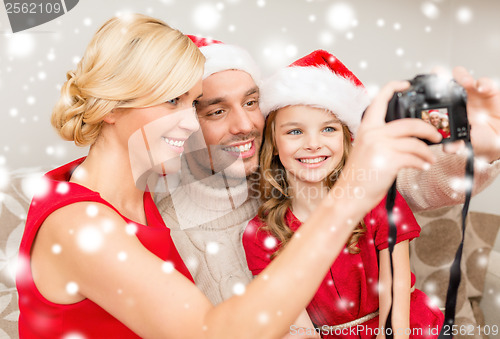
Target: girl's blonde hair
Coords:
[(274, 188), (133, 61)]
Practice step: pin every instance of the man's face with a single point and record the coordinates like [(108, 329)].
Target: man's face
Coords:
[(231, 122)]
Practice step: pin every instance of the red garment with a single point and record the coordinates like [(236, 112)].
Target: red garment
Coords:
[(444, 133), (40, 318), (352, 293)]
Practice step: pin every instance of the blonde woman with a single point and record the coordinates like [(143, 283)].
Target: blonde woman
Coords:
[(96, 260)]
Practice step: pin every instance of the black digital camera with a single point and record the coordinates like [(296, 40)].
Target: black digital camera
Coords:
[(440, 102)]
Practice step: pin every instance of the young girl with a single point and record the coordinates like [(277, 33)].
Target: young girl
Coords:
[(315, 107), (96, 259)]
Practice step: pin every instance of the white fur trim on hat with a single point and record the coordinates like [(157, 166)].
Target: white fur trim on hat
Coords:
[(222, 57), (316, 87)]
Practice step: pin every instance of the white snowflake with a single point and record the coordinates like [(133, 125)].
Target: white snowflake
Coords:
[(212, 247), (206, 16), (239, 288), (291, 51), (51, 55), (122, 256), (167, 267), (270, 242), (464, 15), (380, 22), (72, 288), (35, 184), (92, 210), (90, 239), (56, 248), (73, 335), (20, 44), (263, 318), (13, 112), (326, 38), (340, 16), (131, 229), (62, 188), (4, 178), (430, 10)]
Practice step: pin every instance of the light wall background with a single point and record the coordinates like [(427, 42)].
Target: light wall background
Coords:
[(379, 40)]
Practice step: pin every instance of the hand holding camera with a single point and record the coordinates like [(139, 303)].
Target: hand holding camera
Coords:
[(436, 100)]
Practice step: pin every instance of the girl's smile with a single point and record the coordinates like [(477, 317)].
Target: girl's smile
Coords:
[(309, 142)]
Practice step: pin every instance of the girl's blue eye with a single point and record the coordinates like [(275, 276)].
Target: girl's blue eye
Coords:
[(294, 132), (173, 101), (329, 129)]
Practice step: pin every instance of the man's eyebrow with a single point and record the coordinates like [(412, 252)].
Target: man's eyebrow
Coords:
[(218, 100), (213, 101), (252, 90)]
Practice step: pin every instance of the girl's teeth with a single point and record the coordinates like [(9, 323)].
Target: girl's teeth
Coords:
[(312, 161)]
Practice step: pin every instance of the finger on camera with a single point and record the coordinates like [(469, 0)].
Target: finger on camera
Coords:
[(376, 112), (407, 160), (463, 77), (485, 86), (415, 128), (416, 147)]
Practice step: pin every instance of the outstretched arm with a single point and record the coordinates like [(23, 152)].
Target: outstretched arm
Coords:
[(402, 281), (154, 300)]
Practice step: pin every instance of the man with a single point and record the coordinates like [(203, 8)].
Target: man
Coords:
[(212, 202), (212, 205)]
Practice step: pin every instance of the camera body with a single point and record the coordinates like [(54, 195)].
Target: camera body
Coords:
[(441, 97)]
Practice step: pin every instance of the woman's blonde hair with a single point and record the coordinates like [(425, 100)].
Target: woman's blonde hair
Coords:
[(274, 188), (132, 61)]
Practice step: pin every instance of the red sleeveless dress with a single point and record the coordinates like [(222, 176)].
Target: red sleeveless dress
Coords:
[(40, 318)]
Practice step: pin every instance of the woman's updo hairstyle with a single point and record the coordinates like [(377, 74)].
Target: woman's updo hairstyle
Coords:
[(132, 61)]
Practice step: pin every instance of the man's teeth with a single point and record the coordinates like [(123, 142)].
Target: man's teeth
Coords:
[(312, 161), (176, 143), (241, 148)]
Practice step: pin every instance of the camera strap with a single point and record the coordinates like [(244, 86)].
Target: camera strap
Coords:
[(455, 272)]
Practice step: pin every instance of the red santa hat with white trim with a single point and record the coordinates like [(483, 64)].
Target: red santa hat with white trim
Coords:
[(434, 112), (222, 57), (318, 80)]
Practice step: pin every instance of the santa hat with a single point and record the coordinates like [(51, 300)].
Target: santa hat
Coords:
[(434, 112), (318, 80), (221, 57)]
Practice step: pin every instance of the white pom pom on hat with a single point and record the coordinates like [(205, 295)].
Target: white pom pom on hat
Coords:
[(319, 80)]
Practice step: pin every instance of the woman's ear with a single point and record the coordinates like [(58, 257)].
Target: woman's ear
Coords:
[(112, 116)]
